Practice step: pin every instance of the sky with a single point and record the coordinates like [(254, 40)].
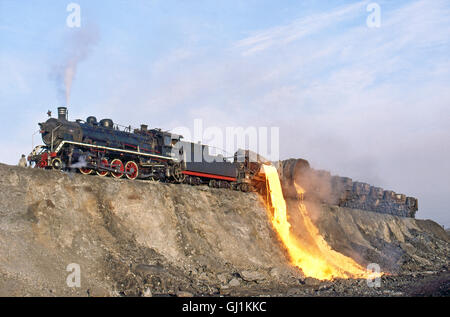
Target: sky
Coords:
[(370, 103)]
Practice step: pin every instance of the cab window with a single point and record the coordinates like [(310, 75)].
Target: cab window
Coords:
[(167, 140)]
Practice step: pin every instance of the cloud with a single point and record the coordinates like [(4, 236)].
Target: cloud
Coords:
[(296, 30)]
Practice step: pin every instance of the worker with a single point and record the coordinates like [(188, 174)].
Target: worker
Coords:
[(23, 161)]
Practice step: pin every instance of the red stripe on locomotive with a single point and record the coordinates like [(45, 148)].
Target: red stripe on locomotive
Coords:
[(209, 175)]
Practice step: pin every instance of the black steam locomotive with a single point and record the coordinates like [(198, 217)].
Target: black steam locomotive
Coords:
[(105, 148)]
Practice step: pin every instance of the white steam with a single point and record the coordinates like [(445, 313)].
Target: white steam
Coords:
[(80, 164)]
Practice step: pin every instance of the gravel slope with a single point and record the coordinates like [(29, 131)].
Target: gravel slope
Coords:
[(148, 238)]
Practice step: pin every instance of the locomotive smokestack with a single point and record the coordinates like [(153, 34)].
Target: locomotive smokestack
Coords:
[(62, 113)]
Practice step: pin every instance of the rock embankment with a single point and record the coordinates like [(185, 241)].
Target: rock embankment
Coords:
[(146, 238)]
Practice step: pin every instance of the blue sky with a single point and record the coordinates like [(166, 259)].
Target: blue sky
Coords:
[(369, 103)]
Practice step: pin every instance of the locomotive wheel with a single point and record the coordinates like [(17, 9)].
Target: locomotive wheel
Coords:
[(85, 170), (244, 187), (41, 164), (191, 180), (57, 163), (118, 166), (132, 170), (178, 175), (103, 163), (212, 183)]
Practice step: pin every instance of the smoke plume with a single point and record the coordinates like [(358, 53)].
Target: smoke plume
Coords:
[(77, 47)]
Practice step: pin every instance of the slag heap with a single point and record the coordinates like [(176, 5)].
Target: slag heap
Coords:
[(320, 186)]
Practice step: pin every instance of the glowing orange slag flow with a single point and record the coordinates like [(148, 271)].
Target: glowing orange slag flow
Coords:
[(312, 255)]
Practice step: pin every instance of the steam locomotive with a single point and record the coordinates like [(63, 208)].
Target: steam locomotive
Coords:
[(104, 148)]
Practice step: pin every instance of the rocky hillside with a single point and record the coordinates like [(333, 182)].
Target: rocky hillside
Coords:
[(148, 238)]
